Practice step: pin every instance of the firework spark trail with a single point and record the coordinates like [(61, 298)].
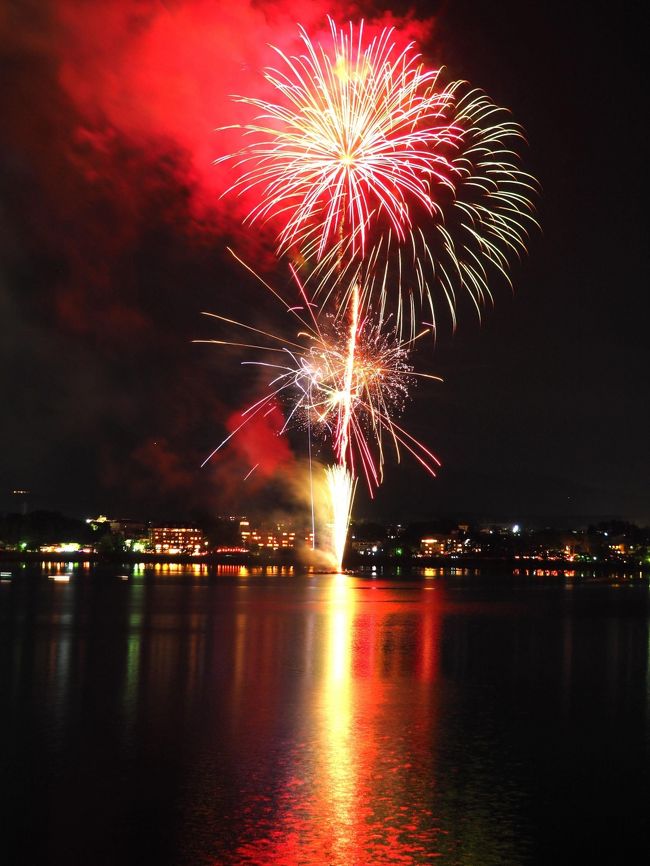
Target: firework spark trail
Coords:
[(341, 480), (343, 429)]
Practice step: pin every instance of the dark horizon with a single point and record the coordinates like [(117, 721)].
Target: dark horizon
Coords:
[(297, 518)]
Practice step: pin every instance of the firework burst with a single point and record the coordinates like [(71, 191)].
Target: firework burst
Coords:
[(343, 382), (362, 129), (381, 176)]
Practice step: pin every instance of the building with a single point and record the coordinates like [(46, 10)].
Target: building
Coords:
[(132, 534), (279, 537), (244, 531), (286, 537), (443, 544), (177, 538)]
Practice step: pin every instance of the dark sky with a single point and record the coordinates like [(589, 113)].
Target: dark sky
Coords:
[(112, 242)]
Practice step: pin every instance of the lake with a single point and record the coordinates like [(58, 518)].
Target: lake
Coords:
[(186, 715)]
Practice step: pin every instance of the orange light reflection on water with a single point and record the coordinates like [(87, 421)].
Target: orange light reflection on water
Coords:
[(336, 747), (351, 794)]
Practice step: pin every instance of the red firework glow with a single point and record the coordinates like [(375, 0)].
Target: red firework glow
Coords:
[(258, 444), (165, 74)]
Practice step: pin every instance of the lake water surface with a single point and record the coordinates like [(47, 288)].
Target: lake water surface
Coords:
[(192, 716)]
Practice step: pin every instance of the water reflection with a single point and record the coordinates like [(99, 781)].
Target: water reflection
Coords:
[(132, 660), (259, 716), (352, 789), (336, 803)]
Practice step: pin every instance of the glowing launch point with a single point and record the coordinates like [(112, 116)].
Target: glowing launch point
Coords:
[(341, 487)]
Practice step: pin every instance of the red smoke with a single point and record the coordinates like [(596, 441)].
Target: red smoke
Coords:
[(166, 72), (256, 454), (161, 77), (258, 443), (160, 462), (114, 208), (125, 98)]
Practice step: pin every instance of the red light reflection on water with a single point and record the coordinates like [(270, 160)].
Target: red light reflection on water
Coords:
[(352, 793)]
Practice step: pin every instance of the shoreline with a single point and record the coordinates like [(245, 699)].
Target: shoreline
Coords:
[(351, 562)]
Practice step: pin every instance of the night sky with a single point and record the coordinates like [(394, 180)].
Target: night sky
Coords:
[(112, 242)]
